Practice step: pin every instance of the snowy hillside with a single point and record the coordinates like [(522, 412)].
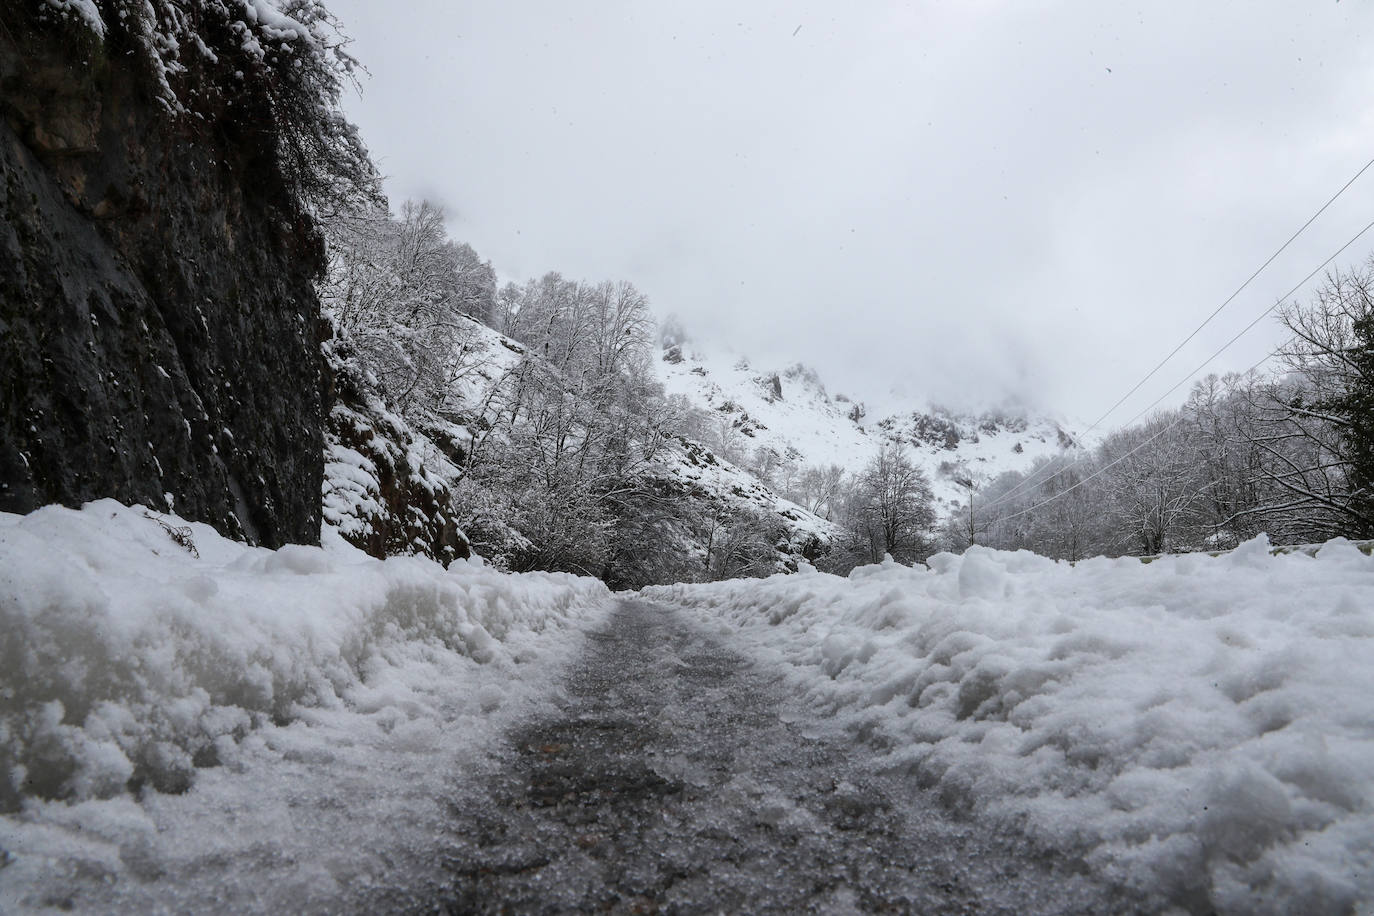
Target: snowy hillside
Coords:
[(488, 389), (786, 411), (724, 488), (789, 413), (380, 467)]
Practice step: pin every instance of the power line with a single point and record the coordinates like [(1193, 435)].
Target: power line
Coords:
[(1021, 486), (1229, 299), (1258, 318), (1107, 467), (1243, 331)]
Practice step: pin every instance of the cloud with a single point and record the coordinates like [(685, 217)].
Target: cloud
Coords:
[(976, 201)]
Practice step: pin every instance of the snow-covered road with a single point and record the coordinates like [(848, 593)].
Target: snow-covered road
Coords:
[(189, 724), (673, 775)]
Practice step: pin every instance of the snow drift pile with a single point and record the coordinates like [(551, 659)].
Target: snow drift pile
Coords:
[(1199, 728), (142, 652), (126, 657)]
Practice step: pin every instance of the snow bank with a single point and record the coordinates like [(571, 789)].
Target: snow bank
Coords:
[(143, 656), (1201, 729)]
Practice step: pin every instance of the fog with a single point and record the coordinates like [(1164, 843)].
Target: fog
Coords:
[(973, 202)]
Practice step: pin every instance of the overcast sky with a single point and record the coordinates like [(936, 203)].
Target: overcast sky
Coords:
[(972, 200)]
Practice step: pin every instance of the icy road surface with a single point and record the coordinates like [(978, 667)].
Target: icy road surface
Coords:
[(674, 776)]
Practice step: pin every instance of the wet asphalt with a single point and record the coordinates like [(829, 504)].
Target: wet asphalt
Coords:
[(675, 776)]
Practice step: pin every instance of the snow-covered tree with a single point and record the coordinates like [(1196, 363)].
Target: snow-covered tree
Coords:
[(818, 488), (1328, 406), (399, 290), (889, 508), (1151, 482)]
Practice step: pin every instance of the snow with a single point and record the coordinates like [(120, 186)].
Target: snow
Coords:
[(161, 31), (1197, 728), (351, 491), (275, 24), (805, 420), (88, 13), (271, 21), (185, 718), (813, 427)]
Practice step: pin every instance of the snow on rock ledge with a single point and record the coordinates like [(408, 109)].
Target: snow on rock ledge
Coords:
[(1198, 728)]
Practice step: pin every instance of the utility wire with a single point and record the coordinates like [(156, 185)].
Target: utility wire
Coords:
[(1243, 331), (1258, 318), (1229, 299), (1217, 311), (1107, 467)]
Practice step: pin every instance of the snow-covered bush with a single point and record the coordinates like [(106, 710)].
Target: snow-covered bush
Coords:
[(1198, 728)]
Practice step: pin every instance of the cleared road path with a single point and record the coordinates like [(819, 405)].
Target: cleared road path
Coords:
[(675, 776)]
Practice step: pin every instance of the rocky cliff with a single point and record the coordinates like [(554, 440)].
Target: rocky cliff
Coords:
[(388, 485), (159, 332)]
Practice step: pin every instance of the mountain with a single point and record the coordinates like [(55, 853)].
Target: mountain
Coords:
[(766, 419), (397, 484)]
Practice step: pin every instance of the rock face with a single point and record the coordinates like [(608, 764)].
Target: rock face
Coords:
[(386, 484), (159, 332)]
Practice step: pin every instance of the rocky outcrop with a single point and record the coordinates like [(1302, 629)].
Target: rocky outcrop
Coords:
[(387, 484), (159, 331)]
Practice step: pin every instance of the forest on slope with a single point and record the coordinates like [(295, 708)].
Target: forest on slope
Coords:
[(541, 410)]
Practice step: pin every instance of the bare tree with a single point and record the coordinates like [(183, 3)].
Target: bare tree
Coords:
[(1223, 422), (396, 288), (1149, 475), (622, 330), (742, 542), (1321, 443), (1069, 525), (475, 284), (890, 508), (819, 488)]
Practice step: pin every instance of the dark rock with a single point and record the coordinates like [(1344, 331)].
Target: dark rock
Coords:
[(159, 337), (378, 491)]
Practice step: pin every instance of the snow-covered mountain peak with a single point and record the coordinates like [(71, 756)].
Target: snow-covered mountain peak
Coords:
[(958, 448), (787, 412), (760, 416)]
